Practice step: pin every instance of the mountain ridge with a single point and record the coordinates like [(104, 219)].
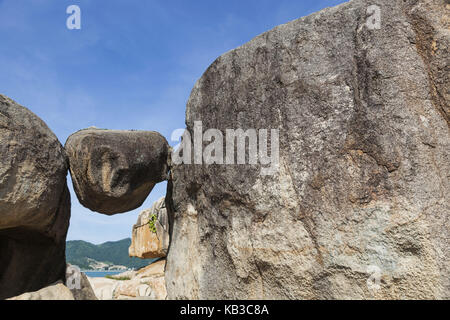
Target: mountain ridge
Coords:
[(108, 255)]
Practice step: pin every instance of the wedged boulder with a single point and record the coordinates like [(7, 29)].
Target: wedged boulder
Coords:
[(359, 205), (57, 291), (34, 202), (114, 171), (150, 235)]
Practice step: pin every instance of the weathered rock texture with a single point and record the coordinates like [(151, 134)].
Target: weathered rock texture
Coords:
[(148, 242), (362, 186), (114, 171), (79, 284), (57, 291), (145, 284), (34, 202)]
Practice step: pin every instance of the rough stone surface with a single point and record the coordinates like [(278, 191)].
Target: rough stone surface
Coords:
[(80, 286), (145, 243), (103, 287), (34, 202), (359, 206), (145, 284), (57, 291), (114, 171)]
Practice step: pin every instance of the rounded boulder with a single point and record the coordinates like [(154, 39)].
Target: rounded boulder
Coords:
[(114, 171)]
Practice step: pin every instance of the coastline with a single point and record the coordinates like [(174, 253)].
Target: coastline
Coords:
[(100, 274)]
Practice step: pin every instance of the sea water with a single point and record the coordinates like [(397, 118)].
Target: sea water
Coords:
[(101, 274)]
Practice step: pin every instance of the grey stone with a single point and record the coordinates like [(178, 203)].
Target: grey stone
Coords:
[(79, 284), (56, 291), (359, 206), (34, 202)]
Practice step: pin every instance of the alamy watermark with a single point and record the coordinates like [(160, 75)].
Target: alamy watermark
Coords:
[(232, 147), (74, 20), (373, 21)]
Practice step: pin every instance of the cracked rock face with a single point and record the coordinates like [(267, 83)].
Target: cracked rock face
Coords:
[(56, 291), (359, 206), (145, 284), (34, 202), (114, 171)]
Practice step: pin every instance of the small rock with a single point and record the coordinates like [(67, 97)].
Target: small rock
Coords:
[(57, 291), (151, 241)]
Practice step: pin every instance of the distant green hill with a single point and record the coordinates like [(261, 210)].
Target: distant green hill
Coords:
[(81, 254)]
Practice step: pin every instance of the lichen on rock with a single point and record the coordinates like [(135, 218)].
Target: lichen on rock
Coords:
[(359, 206)]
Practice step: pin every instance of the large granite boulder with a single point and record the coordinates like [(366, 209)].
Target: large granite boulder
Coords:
[(359, 205), (114, 171), (150, 235), (34, 202)]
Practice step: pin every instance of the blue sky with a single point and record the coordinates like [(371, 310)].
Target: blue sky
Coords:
[(131, 66)]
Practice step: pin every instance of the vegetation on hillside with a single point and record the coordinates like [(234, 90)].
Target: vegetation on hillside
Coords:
[(116, 253)]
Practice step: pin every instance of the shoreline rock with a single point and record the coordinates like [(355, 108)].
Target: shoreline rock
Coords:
[(34, 202), (147, 283), (57, 291), (151, 242)]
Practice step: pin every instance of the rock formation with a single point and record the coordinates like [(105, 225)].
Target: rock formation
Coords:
[(34, 202), (147, 283), (79, 284), (359, 205), (150, 234), (114, 171), (56, 291), (356, 208)]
